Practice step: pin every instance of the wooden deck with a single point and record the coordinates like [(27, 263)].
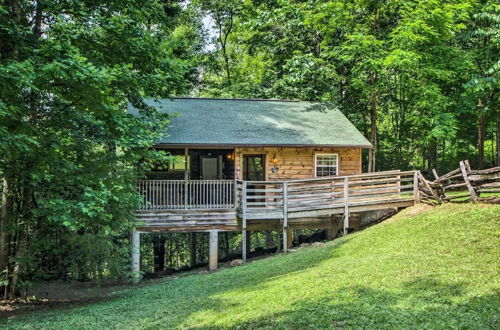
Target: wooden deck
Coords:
[(231, 205), (228, 205)]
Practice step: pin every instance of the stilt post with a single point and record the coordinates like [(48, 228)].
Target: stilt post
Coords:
[(136, 255), (213, 251)]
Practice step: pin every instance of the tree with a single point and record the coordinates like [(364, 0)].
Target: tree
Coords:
[(68, 148), (223, 14), (482, 42)]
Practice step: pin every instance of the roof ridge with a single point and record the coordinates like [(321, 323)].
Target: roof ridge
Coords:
[(231, 99)]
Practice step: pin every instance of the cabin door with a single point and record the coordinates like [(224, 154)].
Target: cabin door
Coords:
[(254, 170), (211, 168)]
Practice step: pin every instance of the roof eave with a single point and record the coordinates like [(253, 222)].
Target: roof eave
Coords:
[(234, 145)]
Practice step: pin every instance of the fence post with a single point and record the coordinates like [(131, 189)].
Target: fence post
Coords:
[(346, 205), (244, 221), (416, 190), (285, 217), (463, 168)]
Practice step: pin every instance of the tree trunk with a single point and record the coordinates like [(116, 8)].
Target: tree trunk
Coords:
[(4, 235), (225, 240), (498, 139), (249, 242), (21, 248), (269, 239), (223, 35), (159, 252), (373, 125), (193, 261), (481, 135), (432, 156)]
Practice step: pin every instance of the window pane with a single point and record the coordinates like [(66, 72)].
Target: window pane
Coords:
[(326, 160), (326, 164), (326, 171)]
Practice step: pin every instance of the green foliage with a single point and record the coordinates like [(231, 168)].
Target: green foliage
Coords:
[(422, 65), (69, 151), (431, 268)]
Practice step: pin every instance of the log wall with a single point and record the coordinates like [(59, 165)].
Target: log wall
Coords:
[(297, 162)]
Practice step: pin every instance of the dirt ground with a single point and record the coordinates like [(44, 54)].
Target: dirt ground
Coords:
[(61, 294)]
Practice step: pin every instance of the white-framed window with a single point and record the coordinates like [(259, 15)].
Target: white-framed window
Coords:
[(326, 164)]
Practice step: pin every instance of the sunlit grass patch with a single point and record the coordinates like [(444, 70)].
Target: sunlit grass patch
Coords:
[(425, 268)]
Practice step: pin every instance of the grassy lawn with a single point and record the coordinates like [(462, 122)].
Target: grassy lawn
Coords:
[(435, 269), (466, 192)]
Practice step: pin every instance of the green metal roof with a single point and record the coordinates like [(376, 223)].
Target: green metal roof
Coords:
[(249, 122)]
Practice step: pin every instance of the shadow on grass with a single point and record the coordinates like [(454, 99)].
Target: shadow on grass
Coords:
[(421, 303), (160, 294)]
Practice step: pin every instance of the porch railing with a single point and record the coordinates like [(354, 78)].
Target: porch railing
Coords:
[(327, 192), (187, 194), (256, 197)]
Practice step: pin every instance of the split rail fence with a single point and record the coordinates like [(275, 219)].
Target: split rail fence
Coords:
[(461, 185)]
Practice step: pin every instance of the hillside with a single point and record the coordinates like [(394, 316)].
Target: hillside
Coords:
[(434, 268)]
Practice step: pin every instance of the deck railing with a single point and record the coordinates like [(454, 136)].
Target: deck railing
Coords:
[(325, 192), (266, 197), (283, 199), (187, 194)]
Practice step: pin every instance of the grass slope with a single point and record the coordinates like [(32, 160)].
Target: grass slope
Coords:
[(436, 269)]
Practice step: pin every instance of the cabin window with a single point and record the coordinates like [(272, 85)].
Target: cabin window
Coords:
[(172, 163), (326, 165)]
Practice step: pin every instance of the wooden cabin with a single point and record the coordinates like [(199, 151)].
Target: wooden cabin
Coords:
[(249, 164)]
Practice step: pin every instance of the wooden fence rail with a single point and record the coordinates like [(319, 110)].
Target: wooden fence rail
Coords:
[(461, 185)]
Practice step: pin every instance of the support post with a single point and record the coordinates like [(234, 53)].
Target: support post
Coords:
[(285, 217), (416, 190), (346, 205), (213, 251), (464, 167), (333, 228), (278, 238), (136, 251), (192, 250), (244, 221), (186, 177), (289, 236)]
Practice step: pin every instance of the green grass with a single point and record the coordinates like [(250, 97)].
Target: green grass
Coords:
[(436, 269), (466, 192)]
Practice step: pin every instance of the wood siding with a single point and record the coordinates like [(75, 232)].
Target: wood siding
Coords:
[(297, 162)]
